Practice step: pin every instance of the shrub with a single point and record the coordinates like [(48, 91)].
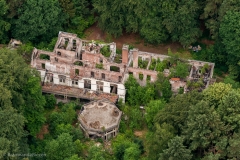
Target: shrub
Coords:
[(50, 101)]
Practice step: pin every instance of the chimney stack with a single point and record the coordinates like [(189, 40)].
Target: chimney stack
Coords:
[(125, 54)]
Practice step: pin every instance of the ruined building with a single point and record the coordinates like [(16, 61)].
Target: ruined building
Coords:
[(100, 119), (94, 70)]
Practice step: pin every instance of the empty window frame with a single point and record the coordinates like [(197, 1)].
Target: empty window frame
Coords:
[(113, 88), (43, 65), (44, 56), (75, 82), (50, 77), (87, 83), (76, 71), (148, 78), (114, 68), (103, 76), (62, 79), (119, 78), (92, 74), (99, 86), (140, 76)]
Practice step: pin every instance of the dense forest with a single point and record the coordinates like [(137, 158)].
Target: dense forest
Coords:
[(197, 125), (38, 22)]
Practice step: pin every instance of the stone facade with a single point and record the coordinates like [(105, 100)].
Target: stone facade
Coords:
[(100, 119), (93, 70)]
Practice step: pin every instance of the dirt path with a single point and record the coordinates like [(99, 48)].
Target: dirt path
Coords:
[(43, 131), (95, 33)]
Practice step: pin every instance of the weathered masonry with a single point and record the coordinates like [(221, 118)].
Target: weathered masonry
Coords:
[(100, 119), (93, 70)]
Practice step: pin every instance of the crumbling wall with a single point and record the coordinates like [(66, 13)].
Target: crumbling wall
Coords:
[(137, 71)]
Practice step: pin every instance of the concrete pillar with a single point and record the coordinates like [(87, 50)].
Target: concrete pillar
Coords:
[(135, 58), (125, 54)]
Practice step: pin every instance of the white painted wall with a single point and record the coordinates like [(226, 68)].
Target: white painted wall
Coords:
[(121, 89), (93, 84), (106, 87), (81, 83), (50, 67), (42, 74), (55, 78)]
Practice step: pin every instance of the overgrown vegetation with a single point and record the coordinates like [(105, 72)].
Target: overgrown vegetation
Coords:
[(44, 56), (153, 64), (114, 68), (105, 50), (142, 63), (78, 63), (99, 66), (160, 66)]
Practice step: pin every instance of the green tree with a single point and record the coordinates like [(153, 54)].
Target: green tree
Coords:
[(11, 79), (180, 19), (151, 28), (13, 6), (229, 109), (228, 29), (61, 148), (176, 150), (135, 92), (163, 87), (158, 139), (180, 71), (68, 7), (33, 109), (211, 156), (39, 20), (96, 153), (4, 24), (115, 16), (132, 152), (176, 111), (63, 128), (152, 108), (21, 90), (11, 131), (136, 118), (210, 15), (230, 80), (83, 17), (215, 93), (74, 157), (63, 117), (54, 120), (120, 144), (203, 127), (234, 146), (69, 112), (50, 101), (125, 148)]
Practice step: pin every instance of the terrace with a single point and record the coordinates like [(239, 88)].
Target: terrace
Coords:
[(68, 91)]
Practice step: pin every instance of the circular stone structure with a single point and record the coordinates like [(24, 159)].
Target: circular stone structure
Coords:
[(100, 119)]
